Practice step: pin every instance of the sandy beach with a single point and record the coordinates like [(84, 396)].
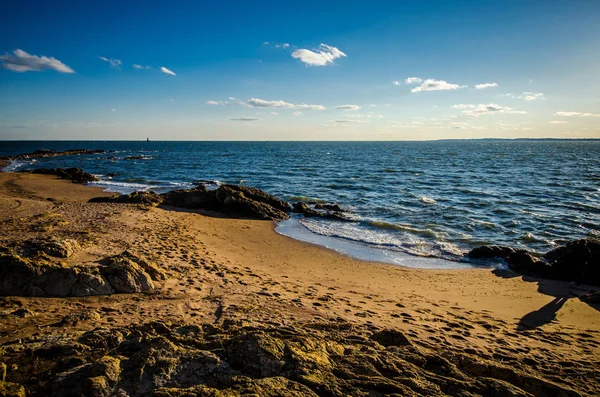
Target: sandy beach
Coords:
[(514, 335)]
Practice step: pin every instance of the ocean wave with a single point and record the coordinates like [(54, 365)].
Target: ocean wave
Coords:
[(427, 200)]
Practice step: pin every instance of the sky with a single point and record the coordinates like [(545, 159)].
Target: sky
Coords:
[(310, 70)]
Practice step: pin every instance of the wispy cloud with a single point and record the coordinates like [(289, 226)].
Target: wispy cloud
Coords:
[(463, 106), (397, 82), (114, 63), (491, 108), (322, 56), (576, 114), (531, 96), (485, 85), (138, 66), (558, 122), (24, 62), (436, 85), (298, 113), (245, 119), (413, 80), (261, 103), (348, 107), (167, 71), (113, 110)]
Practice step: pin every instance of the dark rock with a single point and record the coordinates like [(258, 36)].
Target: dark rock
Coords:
[(329, 207), (141, 197), (518, 260), (235, 201), (196, 198), (490, 251), (22, 313), (313, 212), (592, 297), (391, 337), (577, 261), (50, 153), (261, 196), (75, 175)]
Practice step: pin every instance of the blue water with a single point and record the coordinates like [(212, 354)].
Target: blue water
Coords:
[(438, 198)]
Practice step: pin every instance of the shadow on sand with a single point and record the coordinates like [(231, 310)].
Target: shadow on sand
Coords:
[(562, 291)]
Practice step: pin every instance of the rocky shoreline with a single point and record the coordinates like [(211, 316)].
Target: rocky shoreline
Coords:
[(138, 295)]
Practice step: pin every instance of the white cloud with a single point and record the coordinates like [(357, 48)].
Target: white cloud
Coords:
[(463, 106), (261, 103), (413, 80), (491, 108), (372, 105), (322, 56), (215, 103), (531, 96), (245, 119), (436, 85), (576, 114), (24, 62), (167, 71), (485, 85), (171, 100), (298, 113), (348, 107), (558, 122), (113, 110), (138, 66), (397, 82), (114, 63)]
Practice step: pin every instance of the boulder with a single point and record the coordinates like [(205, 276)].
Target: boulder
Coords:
[(577, 261), (261, 196), (591, 297), (51, 246), (126, 276), (235, 201), (391, 337), (141, 197), (325, 211), (196, 198), (490, 252), (75, 175)]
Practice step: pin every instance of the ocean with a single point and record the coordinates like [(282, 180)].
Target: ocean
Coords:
[(407, 200)]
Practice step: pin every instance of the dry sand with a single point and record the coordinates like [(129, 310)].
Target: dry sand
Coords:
[(243, 270)]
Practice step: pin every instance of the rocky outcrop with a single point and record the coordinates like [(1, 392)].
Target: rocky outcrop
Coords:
[(313, 359), (50, 153), (230, 199), (58, 248), (577, 261), (75, 175), (196, 198), (319, 210), (143, 198), (38, 276)]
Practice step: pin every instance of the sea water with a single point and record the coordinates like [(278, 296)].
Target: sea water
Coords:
[(406, 199)]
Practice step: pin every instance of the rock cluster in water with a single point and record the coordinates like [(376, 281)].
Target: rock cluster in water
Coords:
[(29, 269), (75, 175), (333, 358), (577, 261), (50, 153)]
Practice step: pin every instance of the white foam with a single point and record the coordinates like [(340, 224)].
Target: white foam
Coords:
[(294, 229)]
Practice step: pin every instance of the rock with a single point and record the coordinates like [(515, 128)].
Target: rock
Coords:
[(323, 211), (261, 196), (75, 175), (490, 251), (126, 273), (577, 261), (391, 337), (50, 153), (9, 389), (51, 246), (592, 297), (196, 198), (234, 201), (518, 260), (142, 197), (126, 276), (22, 313)]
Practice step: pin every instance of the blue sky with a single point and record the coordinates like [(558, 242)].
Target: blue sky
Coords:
[(335, 70)]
